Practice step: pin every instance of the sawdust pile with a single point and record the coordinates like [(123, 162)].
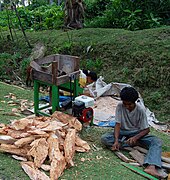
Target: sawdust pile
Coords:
[(43, 143)]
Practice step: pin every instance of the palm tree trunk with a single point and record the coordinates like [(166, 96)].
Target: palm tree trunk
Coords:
[(22, 29), (9, 24)]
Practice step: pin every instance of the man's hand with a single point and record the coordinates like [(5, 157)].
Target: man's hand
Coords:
[(132, 141), (115, 146)]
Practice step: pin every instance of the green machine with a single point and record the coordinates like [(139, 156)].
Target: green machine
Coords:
[(58, 72)]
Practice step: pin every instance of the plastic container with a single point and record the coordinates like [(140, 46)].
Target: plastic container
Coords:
[(89, 102), (82, 79)]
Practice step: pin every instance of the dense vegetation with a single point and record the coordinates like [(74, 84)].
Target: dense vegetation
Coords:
[(127, 14), (39, 18)]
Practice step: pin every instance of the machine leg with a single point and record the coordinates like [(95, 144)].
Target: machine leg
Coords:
[(36, 97), (55, 98), (75, 88)]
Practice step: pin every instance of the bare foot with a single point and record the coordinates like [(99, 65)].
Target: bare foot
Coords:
[(152, 171)]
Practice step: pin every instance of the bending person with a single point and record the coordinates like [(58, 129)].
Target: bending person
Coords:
[(87, 77)]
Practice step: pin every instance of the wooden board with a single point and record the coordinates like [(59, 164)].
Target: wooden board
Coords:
[(74, 61), (139, 157), (56, 63), (166, 165), (47, 78), (123, 157), (143, 150)]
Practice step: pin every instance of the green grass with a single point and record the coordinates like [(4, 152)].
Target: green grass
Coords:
[(5, 89), (101, 164)]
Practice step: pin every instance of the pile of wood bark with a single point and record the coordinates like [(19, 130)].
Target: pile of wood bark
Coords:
[(47, 143)]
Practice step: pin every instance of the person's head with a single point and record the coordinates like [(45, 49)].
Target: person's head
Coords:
[(129, 96), (91, 76)]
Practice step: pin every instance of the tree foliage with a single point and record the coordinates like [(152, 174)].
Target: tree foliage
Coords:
[(40, 18)]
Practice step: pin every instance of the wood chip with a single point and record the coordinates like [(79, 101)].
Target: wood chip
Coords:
[(58, 162), (39, 151), (12, 149), (166, 154), (33, 172), (23, 141), (69, 146), (17, 134), (37, 132), (21, 124), (45, 167), (81, 143), (79, 149), (4, 139), (65, 118), (54, 125), (19, 158)]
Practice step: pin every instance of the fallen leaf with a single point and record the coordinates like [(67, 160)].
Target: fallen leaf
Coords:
[(13, 97), (12, 114), (99, 157), (14, 104), (10, 96), (24, 105), (10, 102), (82, 159), (15, 110), (27, 112)]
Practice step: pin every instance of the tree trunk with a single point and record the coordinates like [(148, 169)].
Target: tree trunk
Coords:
[(23, 3), (50, 2), (22, 29), (74, 13), (29, 2), (0, 6), (9, 26), (59, 2)]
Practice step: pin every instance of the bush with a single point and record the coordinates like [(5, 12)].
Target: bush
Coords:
[(8, 64), (129, 14), (25, 63)]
